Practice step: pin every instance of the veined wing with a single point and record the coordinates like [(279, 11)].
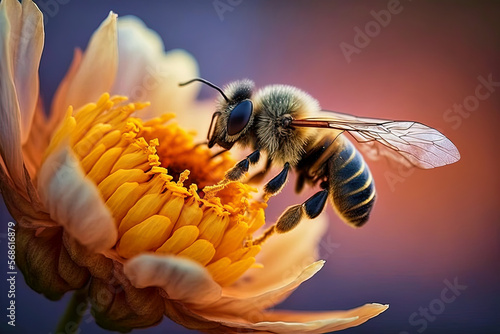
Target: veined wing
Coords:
[(416, 143)]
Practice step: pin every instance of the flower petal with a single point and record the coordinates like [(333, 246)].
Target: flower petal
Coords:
[(74, 201), (37, 142), (203, 110), (12, 11), (235, 306), (364, 312), (174, 67), (59, 102), (146, 73), (265, 287), (138, 48), (306, 322), (10, 116), (94, 74), (283, 256), (28, 53), (182, 279), (26, 209)]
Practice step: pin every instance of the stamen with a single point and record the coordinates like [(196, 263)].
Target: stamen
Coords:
[(110, 184), (260, 240), (244, 252), (96, 133), (232, 239), (145, 207), (173, 206), (183, 177), (146, 236), (180, 240), (103, 166), (211, 191), (153, 213), (191, 214), (213, 226), (124, 198), (234, 271), (201, 251)]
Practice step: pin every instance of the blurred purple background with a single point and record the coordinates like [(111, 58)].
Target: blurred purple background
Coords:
[(429, 226)]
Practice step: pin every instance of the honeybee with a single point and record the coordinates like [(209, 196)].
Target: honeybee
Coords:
[(289, 127)]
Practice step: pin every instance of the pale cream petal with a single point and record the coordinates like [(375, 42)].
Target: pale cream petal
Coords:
[(38, 140), (13, 11), (174, 67), (202, 112), (284, 256), (182, 279), (146, 73), (292, 327), (10, 116), (59, 107), (300, 322), (29, 51), (25, 43), (363, 312), (74, 201), (96, 71), (138, 49), (235, 306)]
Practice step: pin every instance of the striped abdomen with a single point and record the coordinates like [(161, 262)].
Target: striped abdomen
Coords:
[(351, 184)]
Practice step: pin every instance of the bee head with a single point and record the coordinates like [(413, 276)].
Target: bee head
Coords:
[(234, 114)]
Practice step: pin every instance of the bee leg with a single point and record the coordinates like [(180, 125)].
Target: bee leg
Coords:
[(311, 208), (237, 172), (315, 204), (277, 183), (290, 218)]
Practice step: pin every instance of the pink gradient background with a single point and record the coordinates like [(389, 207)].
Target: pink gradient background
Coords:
[(436, 225)]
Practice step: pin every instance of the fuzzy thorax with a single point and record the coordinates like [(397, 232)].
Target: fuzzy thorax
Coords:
[(273, 105)]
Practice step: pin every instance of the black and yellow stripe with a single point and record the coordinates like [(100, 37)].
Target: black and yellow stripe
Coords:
[(351, 183)]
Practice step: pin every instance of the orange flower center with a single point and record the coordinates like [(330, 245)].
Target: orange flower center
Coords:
[(143, 169)]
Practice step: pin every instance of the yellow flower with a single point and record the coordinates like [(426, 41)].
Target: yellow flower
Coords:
[(108, 195)]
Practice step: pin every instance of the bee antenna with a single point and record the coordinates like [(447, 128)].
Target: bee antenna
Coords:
[(206, 82)]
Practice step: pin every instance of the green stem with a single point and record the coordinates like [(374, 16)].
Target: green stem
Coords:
[(70, 320)]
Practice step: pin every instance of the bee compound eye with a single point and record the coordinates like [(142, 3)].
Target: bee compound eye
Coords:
[(239, 117)]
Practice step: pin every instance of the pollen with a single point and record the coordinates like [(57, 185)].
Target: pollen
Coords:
[(150, 174)]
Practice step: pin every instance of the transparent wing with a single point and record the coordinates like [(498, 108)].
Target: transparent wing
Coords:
[(409, 143)]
